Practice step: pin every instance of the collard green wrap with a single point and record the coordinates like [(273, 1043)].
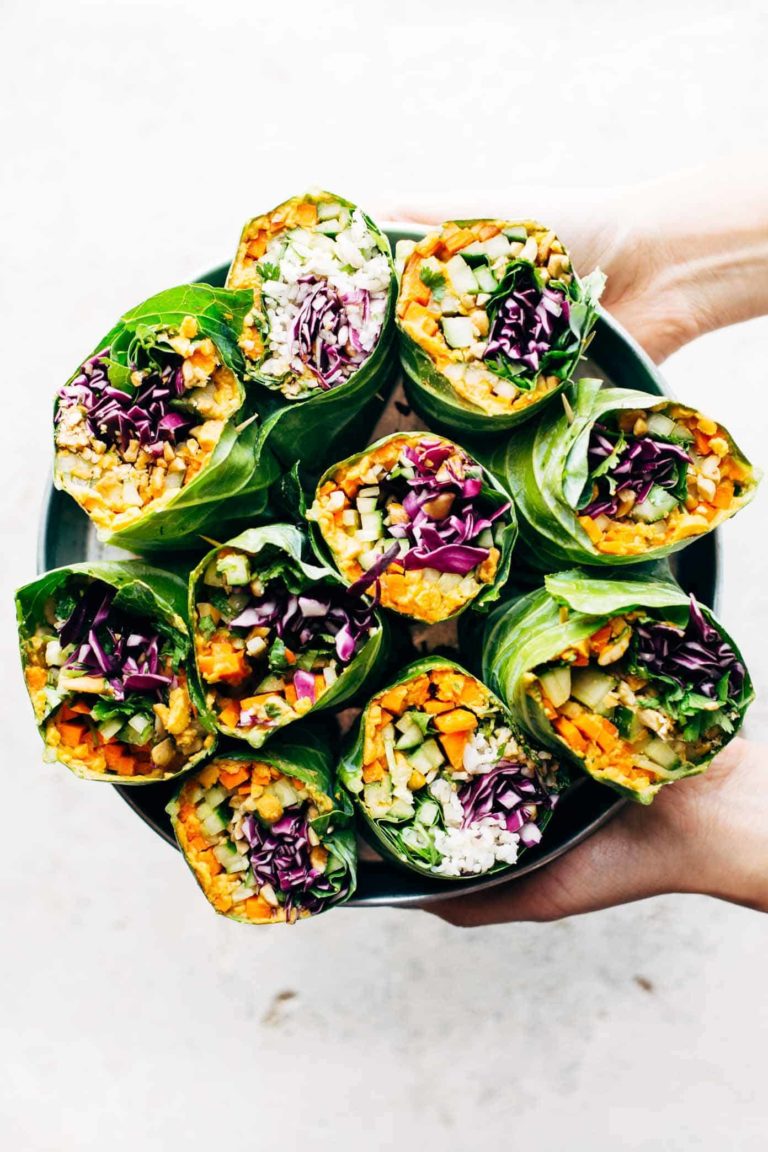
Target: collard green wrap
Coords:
[(590, 491), (267, 835), (627, 676), (276, 637), (444, 784), (106, 655), (157, 436), (416, 521), (324, 289), (493, 321)]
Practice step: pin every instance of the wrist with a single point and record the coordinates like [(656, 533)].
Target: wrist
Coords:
[(705, 245), (720, 822)]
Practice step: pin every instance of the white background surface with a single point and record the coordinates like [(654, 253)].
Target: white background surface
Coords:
[(136, 138)]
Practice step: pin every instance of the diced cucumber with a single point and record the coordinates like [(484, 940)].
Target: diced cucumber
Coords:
[(658, 504), (371, 526), (660, 425), (486, 280), (229, 858), (110, 728), (485, 539), (216, 822), (377, 797), (411, 737), (462, 276), (661, 754), (270, 684), (234, 568), (556, 683), (373, 490), (628, 724), (328, 227), (328, 210), (497, 246), (215, 795), (204, 810), (458, 331), (367, 559), (590, 687), (427, 757), (350, 518), (400, 809), (211, 576), (285, 793), (516, 235), (366, 503), (683, 434), (138, 730), (428, 813)]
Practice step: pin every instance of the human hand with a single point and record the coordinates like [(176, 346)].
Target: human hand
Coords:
[(705, 835), (683, 255)]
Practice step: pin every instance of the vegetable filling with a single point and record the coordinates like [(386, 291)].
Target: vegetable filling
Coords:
[(129, 438), (322, 283), (270, 643), (655, 478), (498, 309), (447, 778), (642, 700), (252, 836), (413, 514), (113, 687)]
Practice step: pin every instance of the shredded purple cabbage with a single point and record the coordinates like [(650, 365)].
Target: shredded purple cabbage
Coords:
[(280, 856), (641, 464), (505, 794), (328, 617), (695, 657), (326, 337), (107, 644), (116, 416), (445, 542), (528, 323)]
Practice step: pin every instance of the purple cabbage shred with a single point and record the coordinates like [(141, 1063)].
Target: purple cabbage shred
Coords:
[(145, 414), (506, 794), (326, 333), (641, 464), (445, 542), (528, 323), (695, 657), (280, 856), (107, 644)]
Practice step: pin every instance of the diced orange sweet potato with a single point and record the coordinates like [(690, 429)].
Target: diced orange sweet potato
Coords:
[(460, 239), (71, 733), (222, 662), (394, 698), (230, 714), (454, 744), (435, 707), (36, 677), (232, 779), (257, 908), (373, 771), (459, 720), (724, 494), (306, 214)]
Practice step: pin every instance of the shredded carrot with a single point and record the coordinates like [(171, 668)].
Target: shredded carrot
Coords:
[(570, 734)]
